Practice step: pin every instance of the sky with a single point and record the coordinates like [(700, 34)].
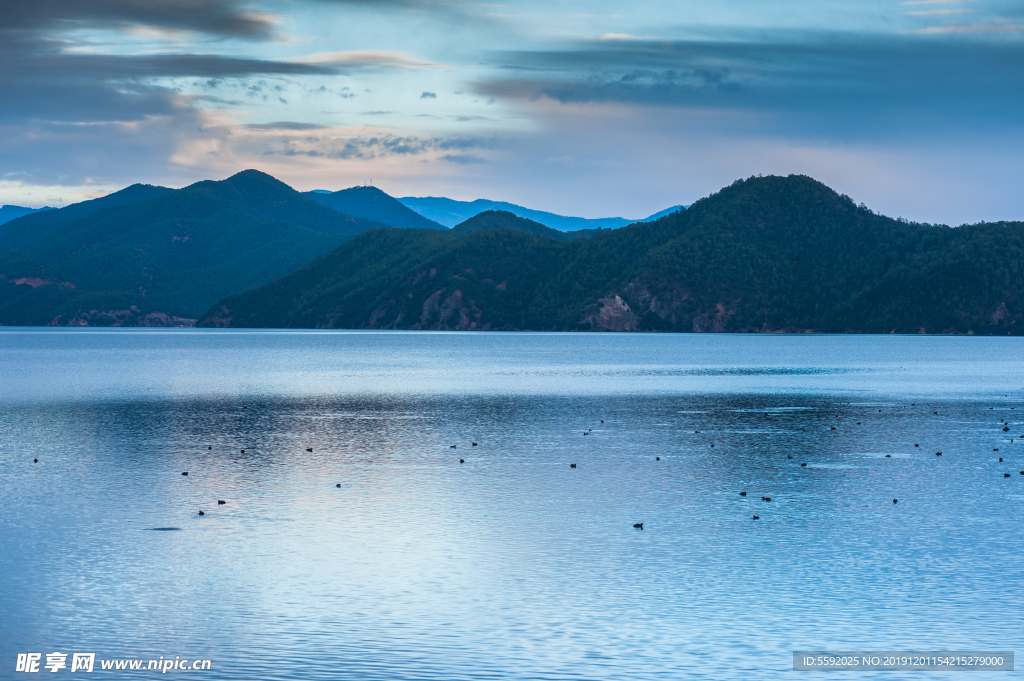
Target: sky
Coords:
[(579, 107)]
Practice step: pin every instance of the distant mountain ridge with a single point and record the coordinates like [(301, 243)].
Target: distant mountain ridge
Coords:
[(373, 204), (766, 254), (450, 212), (8, 212)]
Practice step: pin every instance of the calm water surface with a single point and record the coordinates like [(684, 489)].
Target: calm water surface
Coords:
[(511, 565)]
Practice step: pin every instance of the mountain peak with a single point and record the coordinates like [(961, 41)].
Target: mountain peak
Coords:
[(503, 219), (372, 203)]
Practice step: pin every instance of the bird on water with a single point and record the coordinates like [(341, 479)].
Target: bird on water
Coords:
[(201, 513), (185, 473), (572, 465), (221, 502), (743, 494), (640, 525), (757, 517)]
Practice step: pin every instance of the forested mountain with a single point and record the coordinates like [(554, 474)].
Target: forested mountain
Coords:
[(167, 253), (39, 226), (450, 212), (373, 204), (764, 254)]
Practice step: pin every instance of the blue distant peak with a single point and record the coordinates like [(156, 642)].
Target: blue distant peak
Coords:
[(450, 212)]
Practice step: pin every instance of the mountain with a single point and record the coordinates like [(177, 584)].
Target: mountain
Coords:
[(39, 226), (8, 213), (502, 219), (373, 204), (764, 254), (174, 253), (450, 212)]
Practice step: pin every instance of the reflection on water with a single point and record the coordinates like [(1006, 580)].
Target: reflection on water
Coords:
[(512, 564)]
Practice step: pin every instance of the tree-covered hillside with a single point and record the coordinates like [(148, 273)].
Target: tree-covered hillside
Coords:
[(172, 252), (764, 254)]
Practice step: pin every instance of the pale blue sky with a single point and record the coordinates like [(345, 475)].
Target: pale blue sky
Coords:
[(580, 107)]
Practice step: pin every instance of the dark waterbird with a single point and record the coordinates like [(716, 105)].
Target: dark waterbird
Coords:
[(1000, 459), (895, 501), (743, 494), (338, 485), (833, 427), (1006, 475), (210, 448), (757, 517), (917, 445), (640, 525), (35, 460), (462, 461), (657, 458), (938, 453), (888, 456), (474, 444), (185, 473), (766, 498), (572, 465), (309, 449), (243, 451), (453, 447), (201, 513), (803, 464), (789, 456), (221, 502)]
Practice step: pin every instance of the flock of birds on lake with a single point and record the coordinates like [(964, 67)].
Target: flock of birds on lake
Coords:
[(640, 526)]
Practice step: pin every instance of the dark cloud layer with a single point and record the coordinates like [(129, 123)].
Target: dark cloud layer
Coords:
[(216, 17), (826, 81)]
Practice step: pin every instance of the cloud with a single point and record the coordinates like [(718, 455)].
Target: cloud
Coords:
[(938, 12), (366, 59), (844, 86), (963, 29), (462, 159), (346, 145), (227, 18), (284, 125), (428, 95)]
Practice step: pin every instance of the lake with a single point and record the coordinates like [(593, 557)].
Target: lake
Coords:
[(378, 555)]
